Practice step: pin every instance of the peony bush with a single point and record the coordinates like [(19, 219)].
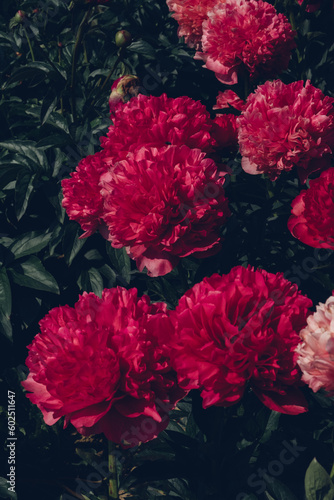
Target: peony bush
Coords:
[(166, 234)]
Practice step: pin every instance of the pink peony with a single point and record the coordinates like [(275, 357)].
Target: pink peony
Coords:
[(163, 204), (225, 129), (228, 99), (157, 121), (316, 353), (190, 15), (237, 329), (104, 366), (81, 194), (312, 219), (283, 126), (245, 34)]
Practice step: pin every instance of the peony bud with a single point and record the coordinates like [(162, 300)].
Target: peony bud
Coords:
[(123, 89), (123, 38), (19, 16)]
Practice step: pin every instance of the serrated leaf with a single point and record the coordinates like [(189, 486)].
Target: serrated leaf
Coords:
[(5, 293), (71, 242), (23, 190), (32, 274), (29, 243), (318, 484)]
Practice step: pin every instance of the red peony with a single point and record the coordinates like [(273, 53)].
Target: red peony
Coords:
[(104, 366), (312, 219), (81, 194), (190, 15), (245, 34), (283, 126), (163, 204), (157, 121), (229, 99), (241, 328)]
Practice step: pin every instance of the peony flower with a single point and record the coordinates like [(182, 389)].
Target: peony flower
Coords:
[(316, 353), (228, 99), (190, 15), (283, 126), (237, 329), (312, 5), (312, 219), (157, 121), (247, 35), (81, 194), (163, 204), (122, 90), (104, 366)]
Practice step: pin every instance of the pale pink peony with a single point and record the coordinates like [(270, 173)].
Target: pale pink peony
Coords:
[(245, 35), (104, 366), (316, 353), (190, 15), (163, 204), (81, 194), (157, 121), (283, 126)]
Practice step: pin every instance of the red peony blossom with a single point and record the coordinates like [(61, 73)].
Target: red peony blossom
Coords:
[(245, 34), (81, 194), (190, 15), (241, 328), (157, 121), (312, 219), (163, 204), (283, 126), (316, 352), (104, 366)]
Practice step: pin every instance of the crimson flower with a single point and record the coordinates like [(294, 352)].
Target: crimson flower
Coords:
[(104, 366), (163, 204), (283, 126), (312, 219), (237, 329), (241, 35)]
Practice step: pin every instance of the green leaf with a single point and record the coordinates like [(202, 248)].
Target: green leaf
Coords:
[(28, 149), (5, 293), (71, 242), (91, 281), (6, 326), (49, 103), (318, 484), (33, 70), (23, 191), (29, 243), (278, 489), (32, 274), (144, 48), (4, 492), (120, 261)]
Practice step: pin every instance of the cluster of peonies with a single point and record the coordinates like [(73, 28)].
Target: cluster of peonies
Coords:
[(118, 364), (234, 36), (316, 353), (151, 188), (282, 126), (313, 213)]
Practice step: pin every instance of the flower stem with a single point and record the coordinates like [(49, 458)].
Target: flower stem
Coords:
[(29, 43), (113, 483), (78, 40)]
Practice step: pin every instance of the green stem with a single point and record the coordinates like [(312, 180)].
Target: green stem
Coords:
[(119, 57), (113, 483), (30, 46), (78, 40)]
